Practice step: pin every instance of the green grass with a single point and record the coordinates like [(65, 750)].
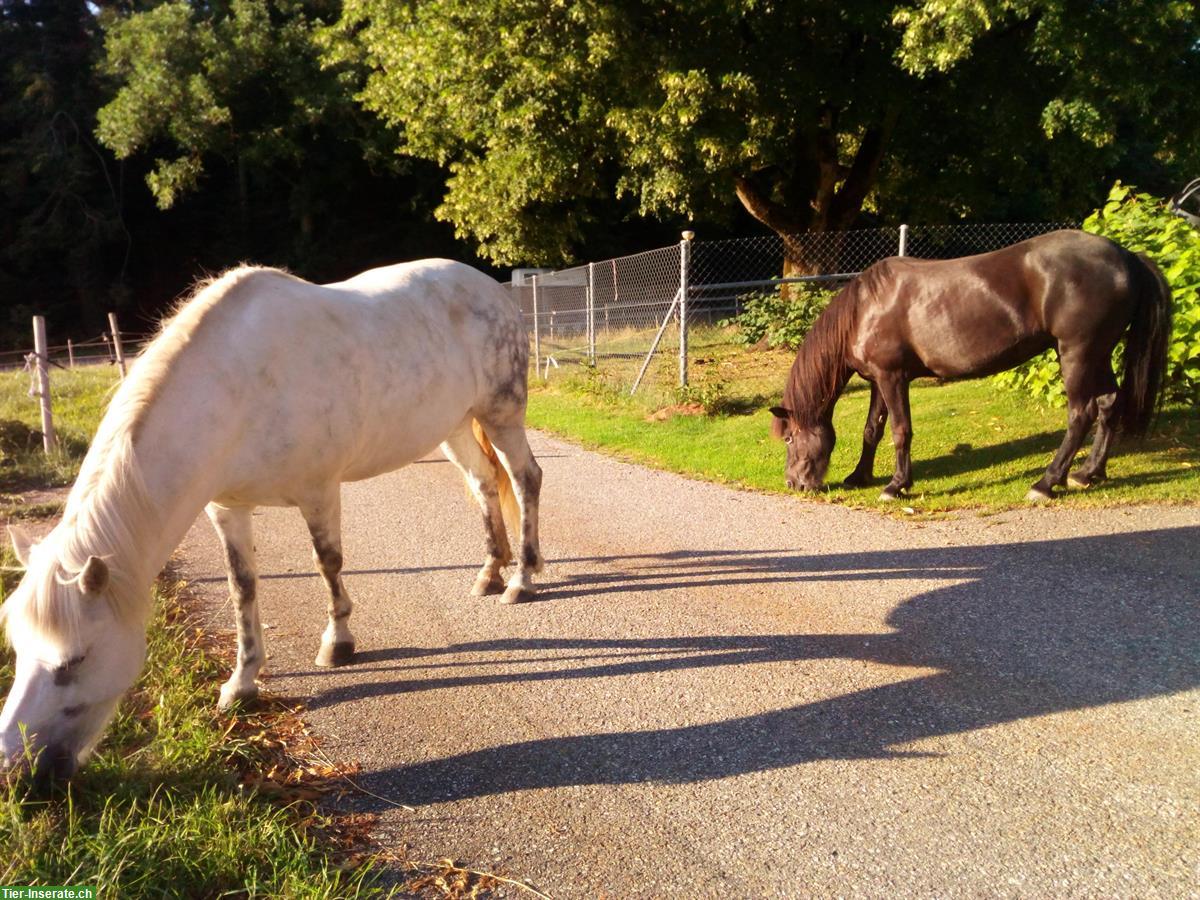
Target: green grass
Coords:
[(975, 446), (161, 809), (78, 399)]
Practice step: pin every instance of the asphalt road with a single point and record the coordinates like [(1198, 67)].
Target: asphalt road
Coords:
[(727, 694)]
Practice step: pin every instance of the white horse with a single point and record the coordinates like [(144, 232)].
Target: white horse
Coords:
[(264, 390)]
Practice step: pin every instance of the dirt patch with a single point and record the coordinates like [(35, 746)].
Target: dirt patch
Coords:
[(676, 409)]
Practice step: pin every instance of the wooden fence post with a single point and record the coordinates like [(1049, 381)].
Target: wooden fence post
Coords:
[(117, 348), (41, 364), (70, 353)]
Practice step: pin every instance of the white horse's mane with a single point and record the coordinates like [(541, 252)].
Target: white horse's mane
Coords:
[(109, 499)]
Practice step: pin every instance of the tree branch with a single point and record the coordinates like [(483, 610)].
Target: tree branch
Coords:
[(774, 215)]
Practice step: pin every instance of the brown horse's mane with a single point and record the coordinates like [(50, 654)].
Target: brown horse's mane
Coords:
[(819, 373)]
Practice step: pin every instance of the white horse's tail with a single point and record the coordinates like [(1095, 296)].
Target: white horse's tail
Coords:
[(508, 498)]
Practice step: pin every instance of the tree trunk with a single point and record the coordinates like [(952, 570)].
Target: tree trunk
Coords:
[(824, 199)]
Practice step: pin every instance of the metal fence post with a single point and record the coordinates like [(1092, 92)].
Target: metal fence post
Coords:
[(903, 241), (685, 255), (116, 336), (42, 368), (591, 313), (537, 331)]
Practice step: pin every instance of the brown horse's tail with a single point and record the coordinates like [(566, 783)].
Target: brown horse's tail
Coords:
[(508, 499), (1145, 347)]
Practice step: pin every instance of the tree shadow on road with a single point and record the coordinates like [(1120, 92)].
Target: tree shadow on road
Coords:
[(1030, 629)]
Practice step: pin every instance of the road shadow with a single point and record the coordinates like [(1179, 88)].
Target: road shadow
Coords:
[(1029, 629)]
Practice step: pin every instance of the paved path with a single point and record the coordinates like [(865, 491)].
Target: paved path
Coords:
[(734, 695)]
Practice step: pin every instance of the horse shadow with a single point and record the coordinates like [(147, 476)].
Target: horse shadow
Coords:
[(1030, 629), (1175, 426)]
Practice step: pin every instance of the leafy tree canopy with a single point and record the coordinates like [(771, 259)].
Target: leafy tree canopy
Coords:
[(238, 80), (805, 112)]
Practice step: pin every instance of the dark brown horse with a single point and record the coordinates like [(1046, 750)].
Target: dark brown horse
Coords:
[(905, 318)]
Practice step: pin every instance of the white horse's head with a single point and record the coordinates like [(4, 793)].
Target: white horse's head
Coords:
[(75, 657)]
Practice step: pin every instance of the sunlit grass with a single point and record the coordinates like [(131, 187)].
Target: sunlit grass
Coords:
[(78, 399), (975, 446), (159, 810)]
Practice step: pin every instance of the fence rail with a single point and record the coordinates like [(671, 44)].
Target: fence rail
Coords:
[(649, 308)]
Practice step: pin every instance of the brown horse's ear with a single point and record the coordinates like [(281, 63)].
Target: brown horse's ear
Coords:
[(779, 420)]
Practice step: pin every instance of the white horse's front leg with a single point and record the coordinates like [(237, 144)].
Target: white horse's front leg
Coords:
[(324, 518), (233, 526)]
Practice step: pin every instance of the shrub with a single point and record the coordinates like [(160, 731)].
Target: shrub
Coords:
[(779, 317), (1143, 224)]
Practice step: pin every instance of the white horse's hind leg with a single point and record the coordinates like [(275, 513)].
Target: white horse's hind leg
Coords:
[(324, 518), (463, 450), (526, 475), (234, 529)]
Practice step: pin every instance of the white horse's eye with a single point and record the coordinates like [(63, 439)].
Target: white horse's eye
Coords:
[(64, 672)]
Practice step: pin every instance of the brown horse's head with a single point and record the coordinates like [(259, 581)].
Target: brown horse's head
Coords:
[(808, 449)]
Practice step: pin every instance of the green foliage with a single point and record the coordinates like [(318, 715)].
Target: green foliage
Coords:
[(240, 81), (542, 111), (1111, 60), (63, 239), (1143, 224), (779, 318), (711, 395)]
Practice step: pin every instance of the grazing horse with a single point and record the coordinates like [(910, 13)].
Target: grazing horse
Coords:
[(265, 390), (905, 318)]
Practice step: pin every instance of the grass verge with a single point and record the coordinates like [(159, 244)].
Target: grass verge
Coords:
[(174, 803), (975, 446)]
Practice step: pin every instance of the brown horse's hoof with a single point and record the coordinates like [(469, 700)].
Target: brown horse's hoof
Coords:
[(1036, 495), (890, 494), (333, 655), (856, 481)]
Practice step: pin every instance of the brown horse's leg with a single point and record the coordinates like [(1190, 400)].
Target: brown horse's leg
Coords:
[(894, 389), (1093, 470), (872, 432), (1082, 409)]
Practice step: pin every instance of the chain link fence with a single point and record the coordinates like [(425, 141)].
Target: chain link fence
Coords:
[(623, 315)]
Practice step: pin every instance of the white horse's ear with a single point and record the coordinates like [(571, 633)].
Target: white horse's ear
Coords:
[(94, 577), (22, 543)]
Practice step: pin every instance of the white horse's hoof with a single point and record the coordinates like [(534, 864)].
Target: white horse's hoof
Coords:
[(485, 587), (231, 696), (516, 594), (1036, 496), (1077, 483), (333, 655), (885, 497)]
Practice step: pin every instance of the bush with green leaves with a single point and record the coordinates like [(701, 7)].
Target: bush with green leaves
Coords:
[(1143, 224), (780, 317)]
